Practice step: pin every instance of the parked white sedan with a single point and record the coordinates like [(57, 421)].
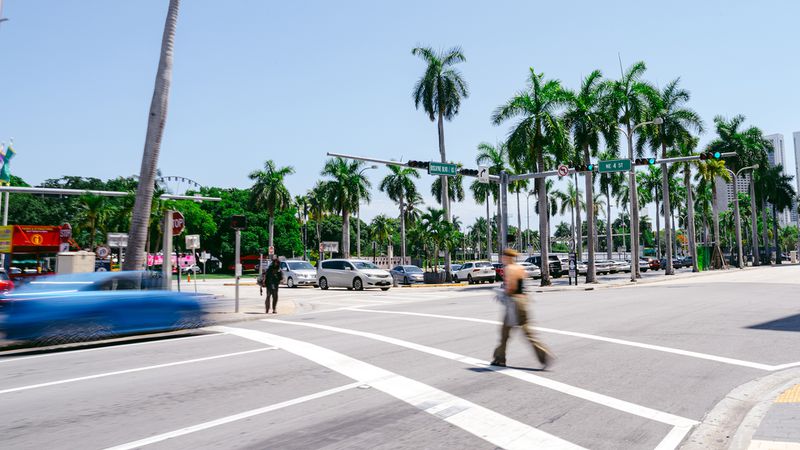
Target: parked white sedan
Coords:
[(532, 270)]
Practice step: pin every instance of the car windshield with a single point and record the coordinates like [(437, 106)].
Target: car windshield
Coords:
[(483, 264), (300, 265), (412, 269), (364, 265)]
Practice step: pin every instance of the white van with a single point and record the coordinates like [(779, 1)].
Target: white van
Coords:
[(352, 274)]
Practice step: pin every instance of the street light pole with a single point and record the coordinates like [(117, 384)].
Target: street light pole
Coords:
[(736, 212)]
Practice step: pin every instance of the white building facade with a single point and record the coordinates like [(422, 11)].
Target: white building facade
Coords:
[(778, 156)]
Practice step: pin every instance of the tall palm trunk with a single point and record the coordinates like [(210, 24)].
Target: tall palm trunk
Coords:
[(519, 225), (271, 227), (578, 224), (590, 219), (609, 228), (634, 207), (445, 191), (775, 235), (715, 213), (345, 234), (498, 219), (754, 222), (765, 233), (668, 227), (134, 254), (658, 227), (402, 228), (687, 180), (488, 231), (544, 229)]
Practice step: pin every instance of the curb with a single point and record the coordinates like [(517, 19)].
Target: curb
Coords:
[(734, 419)]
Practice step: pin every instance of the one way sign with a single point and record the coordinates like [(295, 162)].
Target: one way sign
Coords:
[(483, 174)]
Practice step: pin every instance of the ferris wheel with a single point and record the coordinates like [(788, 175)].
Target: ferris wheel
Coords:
[(177, 185)]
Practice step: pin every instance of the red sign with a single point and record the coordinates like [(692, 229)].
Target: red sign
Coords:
[(36, 238), (178, 223)]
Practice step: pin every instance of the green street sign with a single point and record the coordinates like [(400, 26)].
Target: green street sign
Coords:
[(447, 169), (615, 165)]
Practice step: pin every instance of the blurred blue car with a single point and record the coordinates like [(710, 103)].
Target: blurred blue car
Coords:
[(88, 306)]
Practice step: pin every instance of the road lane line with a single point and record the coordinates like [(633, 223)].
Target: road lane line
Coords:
[(4, 359), (482, 422), (594, 397), (676, 351), (232, 418), (138, 369), (674, 438)]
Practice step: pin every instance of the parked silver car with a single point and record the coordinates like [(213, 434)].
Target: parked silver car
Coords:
[(622, 266), (476, 272), (603, 266), (407, 274), (352, 274), (298, 273), (531, 270)]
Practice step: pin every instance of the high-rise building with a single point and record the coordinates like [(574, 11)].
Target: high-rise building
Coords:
[(794, 213), (725, 191), (778, 156)]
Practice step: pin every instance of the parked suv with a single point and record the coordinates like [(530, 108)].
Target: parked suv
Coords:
[(555, 264), (352, 274), (476, 272), (298, 273)]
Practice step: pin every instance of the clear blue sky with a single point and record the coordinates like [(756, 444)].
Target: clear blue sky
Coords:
[(288, 81)]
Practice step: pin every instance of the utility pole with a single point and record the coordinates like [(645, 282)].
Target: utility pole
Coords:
[(238, 266), (166, 251)]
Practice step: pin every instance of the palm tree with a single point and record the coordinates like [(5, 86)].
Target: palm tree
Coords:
[(92, 214), (686, 147), (496, 158), (481, 192), (269, 192), (610, 183), (570, 200), (399, 185), (517, 187), (344, 191), (381, 228), (455, 189), (316, 208), (587, 119), (779, 194), (135, 252), (751, 148), (628, 102), (678, 120), (538, 132), (709, 171), (433, 223), (650, 182), (440, 91)]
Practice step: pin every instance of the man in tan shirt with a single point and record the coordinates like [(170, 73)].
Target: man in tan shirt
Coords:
[(516, 311)]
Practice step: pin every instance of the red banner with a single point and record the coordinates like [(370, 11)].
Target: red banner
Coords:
[(36, 238)]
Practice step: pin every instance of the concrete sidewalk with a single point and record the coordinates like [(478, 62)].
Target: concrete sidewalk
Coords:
[(780, 426)]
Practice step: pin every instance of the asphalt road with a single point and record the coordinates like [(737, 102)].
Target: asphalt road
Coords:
[(637, 367)]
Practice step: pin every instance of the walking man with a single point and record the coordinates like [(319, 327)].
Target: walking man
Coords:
[(272, 279), (516, 311)]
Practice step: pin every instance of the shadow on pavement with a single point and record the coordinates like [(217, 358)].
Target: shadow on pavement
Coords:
[(497, 369), (789, 323)]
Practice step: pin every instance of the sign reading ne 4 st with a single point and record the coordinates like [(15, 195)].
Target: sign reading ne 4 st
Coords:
[(447, 169), (615, 165)]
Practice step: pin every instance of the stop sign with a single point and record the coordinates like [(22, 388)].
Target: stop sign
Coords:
[(178, 223)]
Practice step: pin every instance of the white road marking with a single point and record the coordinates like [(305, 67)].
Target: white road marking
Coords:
[(138, 369), (594, 397), (484, 423), (4, 359), (676, 351), (674, 438), (232, 418)]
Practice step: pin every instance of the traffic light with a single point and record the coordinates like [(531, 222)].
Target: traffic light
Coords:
[(419, 164), (710, 155), (238, 222), (585, 168), (644, 161), (468, 172)]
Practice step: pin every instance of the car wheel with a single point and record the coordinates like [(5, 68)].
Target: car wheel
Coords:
[(323, 284), (455, 279), (405, 281), (469, 279), (290, 283), (643, 270), (492, 281), (358, 284), (384, 289)]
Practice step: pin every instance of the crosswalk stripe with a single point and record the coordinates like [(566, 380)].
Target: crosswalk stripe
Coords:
[(482, 422)]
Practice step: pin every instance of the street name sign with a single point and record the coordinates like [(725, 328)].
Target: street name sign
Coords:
[(615, 165), (447, 169)]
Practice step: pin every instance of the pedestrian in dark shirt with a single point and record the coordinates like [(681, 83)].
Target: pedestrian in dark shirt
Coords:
[(272, 279)]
